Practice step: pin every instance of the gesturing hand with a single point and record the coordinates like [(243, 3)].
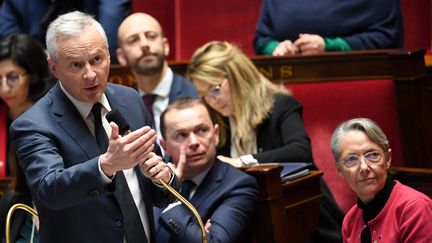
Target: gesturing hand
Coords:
[(126, 152), (180, 165)]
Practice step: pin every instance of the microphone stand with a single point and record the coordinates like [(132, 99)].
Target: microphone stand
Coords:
[(10, 213), (189, 206), (115, 116)]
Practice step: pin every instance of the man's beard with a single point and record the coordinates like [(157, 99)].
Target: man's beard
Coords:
[(149, 68)]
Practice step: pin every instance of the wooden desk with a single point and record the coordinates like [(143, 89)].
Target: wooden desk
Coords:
[(287, 212), (407, 69), (417, 178)]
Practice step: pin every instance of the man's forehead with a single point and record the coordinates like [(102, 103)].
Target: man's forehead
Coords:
[(189, 118), (140, 24)]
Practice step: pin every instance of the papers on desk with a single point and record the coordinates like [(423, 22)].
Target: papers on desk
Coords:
[(295, 170), (291, 170)]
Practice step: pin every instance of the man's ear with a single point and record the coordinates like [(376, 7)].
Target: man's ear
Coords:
[(216, 130), (166, 46), (52, 66), (121, 57)]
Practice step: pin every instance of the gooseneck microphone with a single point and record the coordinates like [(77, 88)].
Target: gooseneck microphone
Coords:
[(115, 116)]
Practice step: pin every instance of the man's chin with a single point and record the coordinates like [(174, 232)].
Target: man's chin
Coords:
[(148, 69)]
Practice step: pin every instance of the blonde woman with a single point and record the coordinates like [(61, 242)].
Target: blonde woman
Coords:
[(259, 121)]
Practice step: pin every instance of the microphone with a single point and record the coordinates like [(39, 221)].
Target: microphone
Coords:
[(115, 116)]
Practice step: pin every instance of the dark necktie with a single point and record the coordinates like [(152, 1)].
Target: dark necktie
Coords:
[(100, 134), (132, 224), (186, 188), (149, 99)]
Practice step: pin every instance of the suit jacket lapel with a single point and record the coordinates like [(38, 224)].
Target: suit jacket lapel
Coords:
[(209, 184), (176, 89), (70, 120)]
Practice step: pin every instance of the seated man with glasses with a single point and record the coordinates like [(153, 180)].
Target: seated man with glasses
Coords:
[(387, 211)]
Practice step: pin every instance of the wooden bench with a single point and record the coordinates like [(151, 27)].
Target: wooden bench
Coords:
[(286, 212)]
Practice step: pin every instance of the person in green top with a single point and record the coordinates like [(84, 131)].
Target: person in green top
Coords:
[(309, 26)]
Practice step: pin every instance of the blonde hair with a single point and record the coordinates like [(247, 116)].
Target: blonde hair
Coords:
[(252, 94)]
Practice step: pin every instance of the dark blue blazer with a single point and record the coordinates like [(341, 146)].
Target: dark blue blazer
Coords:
[(182, 88), (60, 159), (227, 196)]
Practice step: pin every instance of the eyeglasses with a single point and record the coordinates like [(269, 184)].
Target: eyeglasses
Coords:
[(352, 160), (215, 91), (11, 79)]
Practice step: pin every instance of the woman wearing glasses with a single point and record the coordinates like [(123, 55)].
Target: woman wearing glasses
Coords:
[(387, 211), (259, 121), (24, 78)]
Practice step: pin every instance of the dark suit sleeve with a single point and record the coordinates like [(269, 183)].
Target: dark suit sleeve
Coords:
[(54, 185), (283, 137), (230, 212)]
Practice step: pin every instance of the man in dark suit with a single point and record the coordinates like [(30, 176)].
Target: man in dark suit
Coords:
[(144, 49), (85, 177), (224, 196)]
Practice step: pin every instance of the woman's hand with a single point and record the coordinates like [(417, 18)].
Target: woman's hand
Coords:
[(310, 44), (236, 162), (285, 48)]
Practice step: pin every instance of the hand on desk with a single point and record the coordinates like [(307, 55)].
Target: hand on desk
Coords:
[(236, 162), (310, 44), (305, 44), (285, 48)]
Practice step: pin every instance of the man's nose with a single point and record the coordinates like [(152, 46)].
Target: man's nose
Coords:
[(193, 141), (143, 40), (89, 72)]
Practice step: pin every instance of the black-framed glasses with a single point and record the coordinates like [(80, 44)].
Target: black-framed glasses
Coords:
[(353, 159), (11, 79), (215, 91)]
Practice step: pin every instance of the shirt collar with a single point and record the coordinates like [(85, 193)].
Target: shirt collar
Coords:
[(84, 108), (164, 86), (200, 177)]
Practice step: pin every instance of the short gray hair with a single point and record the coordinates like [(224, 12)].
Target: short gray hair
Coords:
[(70, 24), (369, 127)]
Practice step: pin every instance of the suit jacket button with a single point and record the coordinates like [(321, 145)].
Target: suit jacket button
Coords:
[(93, 193), (119, 223)]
